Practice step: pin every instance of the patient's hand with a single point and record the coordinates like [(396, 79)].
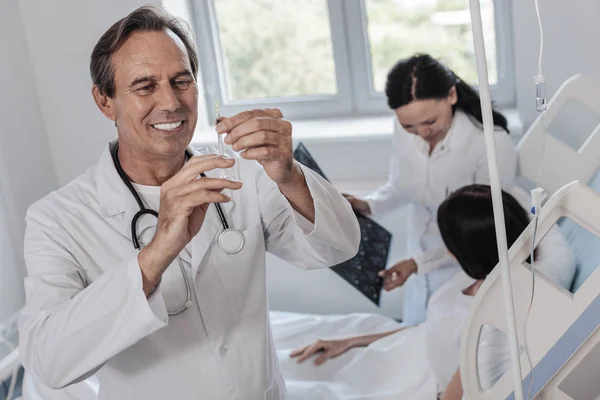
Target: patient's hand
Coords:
[(327, 348), (398, 274)]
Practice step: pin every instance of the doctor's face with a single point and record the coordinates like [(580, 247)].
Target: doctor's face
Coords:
[(429, 119), (156, 102)]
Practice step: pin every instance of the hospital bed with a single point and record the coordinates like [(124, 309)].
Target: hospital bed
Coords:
[(562, 327)]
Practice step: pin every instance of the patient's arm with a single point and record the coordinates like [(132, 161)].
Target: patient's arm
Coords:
[(365, 340), (334, 348), (454, 391)]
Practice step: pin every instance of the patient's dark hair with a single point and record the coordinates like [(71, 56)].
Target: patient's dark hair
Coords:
[(422, 77), (466, 222), (143, 19)]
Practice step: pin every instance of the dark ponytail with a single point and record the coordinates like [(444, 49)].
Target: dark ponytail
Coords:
[(422, 77)]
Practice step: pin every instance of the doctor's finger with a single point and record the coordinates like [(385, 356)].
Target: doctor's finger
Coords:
[(268, 153), (197, 199), (196, 166), (280, 126), (216, 184), (384, 273), (390, 284), (229, 124), (261, 138)]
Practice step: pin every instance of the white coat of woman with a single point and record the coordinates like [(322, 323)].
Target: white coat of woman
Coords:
[(438, 147)]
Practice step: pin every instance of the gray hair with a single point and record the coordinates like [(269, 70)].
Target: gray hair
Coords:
[(143, 19)]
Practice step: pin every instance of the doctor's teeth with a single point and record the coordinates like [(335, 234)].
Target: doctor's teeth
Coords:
[(168, 127)]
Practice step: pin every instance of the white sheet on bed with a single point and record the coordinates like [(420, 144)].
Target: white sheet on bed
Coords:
[(395, 367), (392, 368)]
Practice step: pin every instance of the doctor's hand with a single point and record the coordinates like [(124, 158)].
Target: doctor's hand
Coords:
[(327, 349), (358, 205), (184, 199), (398, 274), (264, 136)]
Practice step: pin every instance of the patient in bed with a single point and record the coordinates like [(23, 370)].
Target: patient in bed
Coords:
[(422, 362)]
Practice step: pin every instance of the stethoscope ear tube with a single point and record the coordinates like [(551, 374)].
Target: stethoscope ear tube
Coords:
[(134, 222)]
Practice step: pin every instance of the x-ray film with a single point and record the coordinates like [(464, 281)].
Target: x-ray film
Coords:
[(361, 270)]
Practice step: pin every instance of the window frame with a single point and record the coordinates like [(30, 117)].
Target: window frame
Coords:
[(355, 92)]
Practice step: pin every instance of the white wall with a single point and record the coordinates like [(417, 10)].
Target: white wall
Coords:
[(26, 172), (571, 33), (61, 36)]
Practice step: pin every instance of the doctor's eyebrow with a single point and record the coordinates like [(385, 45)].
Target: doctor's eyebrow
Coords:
[(180, 74), (426, 121), (152, 78), (143, 79)]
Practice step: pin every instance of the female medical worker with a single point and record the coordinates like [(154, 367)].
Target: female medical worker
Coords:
[(438, 147)]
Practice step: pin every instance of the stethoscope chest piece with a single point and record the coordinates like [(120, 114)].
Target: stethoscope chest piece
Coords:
[(231, 241)]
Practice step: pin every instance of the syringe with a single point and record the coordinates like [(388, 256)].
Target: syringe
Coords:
[(219, 136)]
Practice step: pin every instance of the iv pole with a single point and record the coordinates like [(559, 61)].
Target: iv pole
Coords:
[(488, 127)]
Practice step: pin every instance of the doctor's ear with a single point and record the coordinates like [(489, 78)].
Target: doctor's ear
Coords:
[(453, 96), (104, 103)]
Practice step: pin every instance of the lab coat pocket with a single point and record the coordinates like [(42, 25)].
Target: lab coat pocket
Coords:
[(242, 274), (173, 287)]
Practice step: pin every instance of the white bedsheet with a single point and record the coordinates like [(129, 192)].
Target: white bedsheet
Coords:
[(392, 368), (395, 367)]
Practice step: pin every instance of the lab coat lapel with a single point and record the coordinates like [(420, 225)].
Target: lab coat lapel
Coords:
[(115, 200)]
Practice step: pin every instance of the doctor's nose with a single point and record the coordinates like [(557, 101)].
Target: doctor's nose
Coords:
[(167, 99), (424, 131)]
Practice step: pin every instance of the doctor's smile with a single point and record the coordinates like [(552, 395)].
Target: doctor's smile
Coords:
[(176, 126)]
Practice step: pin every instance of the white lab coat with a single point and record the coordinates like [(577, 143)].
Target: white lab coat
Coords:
[(424, 181), (86, 312)]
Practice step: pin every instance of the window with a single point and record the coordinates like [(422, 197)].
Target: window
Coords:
[(272, 55), (399, 29), (323, 58)]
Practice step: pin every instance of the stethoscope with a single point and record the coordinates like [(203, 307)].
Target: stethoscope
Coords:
[(231, 241)]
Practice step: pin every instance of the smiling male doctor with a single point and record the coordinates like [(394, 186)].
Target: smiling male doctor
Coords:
[(97, 306)]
